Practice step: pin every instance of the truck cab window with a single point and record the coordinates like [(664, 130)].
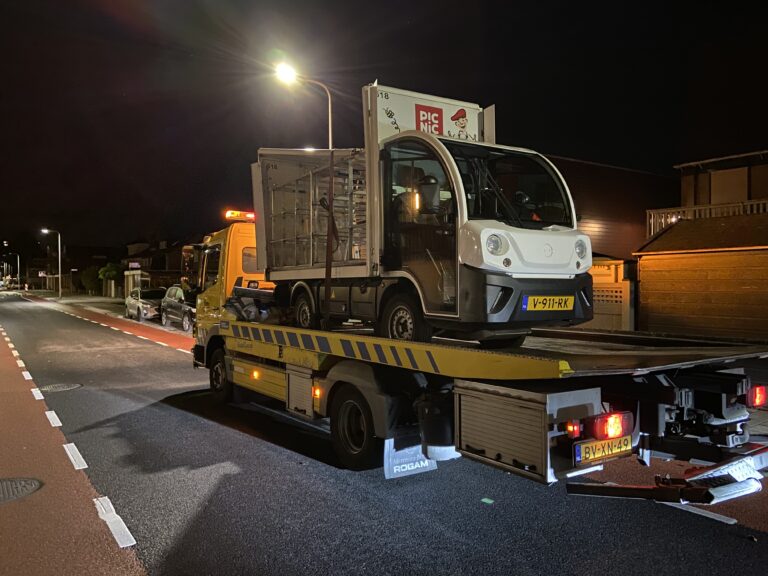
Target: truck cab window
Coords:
[(211, 266)]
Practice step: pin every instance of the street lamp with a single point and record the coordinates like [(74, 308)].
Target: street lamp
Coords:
[(18, 268), (46, 231), (288, 75)]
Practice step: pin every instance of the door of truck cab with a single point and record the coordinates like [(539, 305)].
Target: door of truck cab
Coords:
[(420, 220)]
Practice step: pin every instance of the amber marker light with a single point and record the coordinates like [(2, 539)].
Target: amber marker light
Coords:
[(315, 392), (239, 215), (255, 374)]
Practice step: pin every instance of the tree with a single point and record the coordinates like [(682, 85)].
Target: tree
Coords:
[(111, 271), (90, 279)]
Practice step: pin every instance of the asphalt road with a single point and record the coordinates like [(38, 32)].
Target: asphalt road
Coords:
[(208, 490)]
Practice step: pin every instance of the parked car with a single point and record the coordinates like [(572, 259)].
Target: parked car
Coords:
[(178, 305), (144, 303)]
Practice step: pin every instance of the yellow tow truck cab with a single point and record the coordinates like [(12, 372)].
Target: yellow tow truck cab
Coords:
[(227, 259)]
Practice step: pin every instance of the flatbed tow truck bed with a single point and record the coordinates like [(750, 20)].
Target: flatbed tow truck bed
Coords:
[(516, 409)]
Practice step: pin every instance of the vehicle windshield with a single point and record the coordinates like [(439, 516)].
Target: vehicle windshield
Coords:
[(154, 294), (516, 188)]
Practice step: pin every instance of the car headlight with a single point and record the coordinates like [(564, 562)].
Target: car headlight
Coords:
[(495, 245), (581, 248)]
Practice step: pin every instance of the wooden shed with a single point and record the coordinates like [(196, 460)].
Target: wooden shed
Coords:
[(706, 277)]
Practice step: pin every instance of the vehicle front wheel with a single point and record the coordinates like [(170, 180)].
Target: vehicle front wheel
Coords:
[(186, 323), (221, 387), (139, 316), (352, 431), (303, 312), (127, 312), (164, 318), (402, 320)]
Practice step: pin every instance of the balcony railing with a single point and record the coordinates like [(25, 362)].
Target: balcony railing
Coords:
[(659, 219)]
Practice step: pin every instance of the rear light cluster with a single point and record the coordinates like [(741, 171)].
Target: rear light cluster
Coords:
[(604, 426), (757, 396)]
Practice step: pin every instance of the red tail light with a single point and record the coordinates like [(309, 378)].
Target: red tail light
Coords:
[(756, 396), (611, 425)]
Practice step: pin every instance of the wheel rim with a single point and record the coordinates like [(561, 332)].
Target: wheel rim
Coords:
[(353, 427), (164, 318), (217, 377), (303, 314), (401, 324), (185, 323)]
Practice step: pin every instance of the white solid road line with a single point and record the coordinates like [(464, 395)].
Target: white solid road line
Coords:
[(36, 393), (119, 530), (27, 375), (53, 418), (75, 457)]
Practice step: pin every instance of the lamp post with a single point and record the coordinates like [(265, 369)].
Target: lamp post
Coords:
[(46, 231), (288, 75), (18, 268)]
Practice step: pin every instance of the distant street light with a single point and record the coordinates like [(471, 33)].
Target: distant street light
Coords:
[(46, 231), (18, 267), (288, 75)]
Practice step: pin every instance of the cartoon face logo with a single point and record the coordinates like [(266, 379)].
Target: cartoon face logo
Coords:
[(461, 121)]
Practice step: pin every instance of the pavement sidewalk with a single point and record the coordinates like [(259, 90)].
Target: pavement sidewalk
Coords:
[(56, 529)]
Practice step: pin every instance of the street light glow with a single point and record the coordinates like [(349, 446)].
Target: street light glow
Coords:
[(45, 230), (286, 73)]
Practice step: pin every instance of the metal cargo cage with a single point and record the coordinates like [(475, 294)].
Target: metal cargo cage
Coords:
[(291, 198)]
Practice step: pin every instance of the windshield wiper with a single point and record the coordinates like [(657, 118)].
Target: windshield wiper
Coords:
[(482, 171)]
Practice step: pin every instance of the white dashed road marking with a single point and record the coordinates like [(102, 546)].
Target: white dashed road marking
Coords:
[(53, 418), (27, 375), (20, 363), (119, 530), (36, 393), (143, 337), (10, 345), (126, 332), (75, 457), (161, 343), (114, 328), (15, 353), (185, 351)]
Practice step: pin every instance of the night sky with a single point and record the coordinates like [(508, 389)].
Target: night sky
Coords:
[(139, 119)]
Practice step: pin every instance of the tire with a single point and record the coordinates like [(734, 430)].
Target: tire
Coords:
[(127, 312), (139, 316), (164, 317), (186, 323), (304, 314), (402, 320), (352, 431), (513, 342), (221, 387)]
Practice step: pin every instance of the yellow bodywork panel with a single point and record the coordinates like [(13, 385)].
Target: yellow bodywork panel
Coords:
[(266, 380), (320, 350)]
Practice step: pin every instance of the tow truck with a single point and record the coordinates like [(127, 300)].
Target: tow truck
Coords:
[(564, 405)]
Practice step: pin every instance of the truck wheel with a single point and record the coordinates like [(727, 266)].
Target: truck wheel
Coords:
[(221, 387), (186, 324), (303, 313), (402, 320), (164, 318), (352, 431)]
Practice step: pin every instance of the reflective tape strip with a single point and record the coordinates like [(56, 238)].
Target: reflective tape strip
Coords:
[(380, 353), (293, 339), (411, 358), (323, 344), (306, 340), (349, 352), (395, 355), (255, 334), (363, 351), (432, 361), (279, 337)]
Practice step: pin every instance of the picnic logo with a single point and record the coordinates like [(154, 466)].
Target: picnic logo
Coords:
[(429, 119)]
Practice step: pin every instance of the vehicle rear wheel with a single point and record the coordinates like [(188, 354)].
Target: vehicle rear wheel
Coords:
[(304, 313), (221, 387), (402, 320), (352, 431), (164, 318), (186, 323)]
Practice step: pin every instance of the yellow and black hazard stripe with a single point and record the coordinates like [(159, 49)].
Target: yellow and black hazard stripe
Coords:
[(451, 361)]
